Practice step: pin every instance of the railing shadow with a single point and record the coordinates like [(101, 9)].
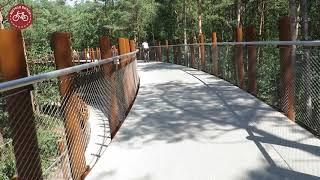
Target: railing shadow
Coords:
[(204, 112)]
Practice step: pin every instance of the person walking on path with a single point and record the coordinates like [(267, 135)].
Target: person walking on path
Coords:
[(145, 47)]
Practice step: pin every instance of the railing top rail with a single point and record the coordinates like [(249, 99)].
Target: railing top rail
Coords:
[(254, 43), (9, 85)]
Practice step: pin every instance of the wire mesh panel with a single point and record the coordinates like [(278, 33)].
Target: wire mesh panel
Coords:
[(269, 78), (69, 118), (268, 75), (307, 88)]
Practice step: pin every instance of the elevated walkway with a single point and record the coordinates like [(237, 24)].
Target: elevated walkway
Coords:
[(186, 124)]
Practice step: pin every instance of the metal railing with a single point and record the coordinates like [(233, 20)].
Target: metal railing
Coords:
[(74, 111), (262, 69)]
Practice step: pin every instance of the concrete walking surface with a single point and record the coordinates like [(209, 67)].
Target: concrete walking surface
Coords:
[(189, 125)]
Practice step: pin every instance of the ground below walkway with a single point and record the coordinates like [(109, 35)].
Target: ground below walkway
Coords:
[(188, 125)]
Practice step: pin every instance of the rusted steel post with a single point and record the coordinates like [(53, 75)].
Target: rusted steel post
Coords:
[(88, 55), (85, 54), (167, 51), (92, 55), (175, 55), (159, 51), (122, 50), (215, 62), (98, 53), (61, 45), (179, 55), (286, 68), (132, 46), (239, 58), (21, 118), (106, 52), (252, 61), (65, 168), (202, 52), (192, 54), (123, 46)]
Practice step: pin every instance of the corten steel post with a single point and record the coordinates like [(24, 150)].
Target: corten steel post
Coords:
[(132, 49), (215, 62), (159, 51), (175, 55), (85, 54), (239, 58), (252, 61), (192, 53), (202, 52), (156, 51), (132, 45), (93, 55), (25, 144), (179, 55), (167, 51), (286, 68), (98, 55), (128, 50), (122, 50), (61, 45), (106, 52)]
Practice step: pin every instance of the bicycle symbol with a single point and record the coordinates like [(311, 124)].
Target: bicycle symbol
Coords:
[(20, 15)]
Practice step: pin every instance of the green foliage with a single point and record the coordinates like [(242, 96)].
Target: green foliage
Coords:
[(7, 165)]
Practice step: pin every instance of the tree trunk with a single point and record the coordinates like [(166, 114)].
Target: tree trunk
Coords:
[(238, 12), (200, 16), (261, 9), (293, 19)]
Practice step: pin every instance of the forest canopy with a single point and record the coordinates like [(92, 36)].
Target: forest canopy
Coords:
[(149, 20)]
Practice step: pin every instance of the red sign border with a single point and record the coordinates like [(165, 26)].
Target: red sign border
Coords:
[(31, 19)]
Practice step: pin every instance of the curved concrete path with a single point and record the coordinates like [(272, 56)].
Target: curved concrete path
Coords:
[(188, 125)]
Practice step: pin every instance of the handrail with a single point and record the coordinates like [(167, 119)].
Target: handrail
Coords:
[(253, 43), (9, 85)]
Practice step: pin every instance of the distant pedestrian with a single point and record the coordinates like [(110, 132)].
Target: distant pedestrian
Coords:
[(145, 47)]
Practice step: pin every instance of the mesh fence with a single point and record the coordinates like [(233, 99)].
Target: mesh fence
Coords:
[(267, 74), (60, 127)]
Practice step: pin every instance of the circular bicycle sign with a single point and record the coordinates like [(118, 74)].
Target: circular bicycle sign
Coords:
[(20, 16)]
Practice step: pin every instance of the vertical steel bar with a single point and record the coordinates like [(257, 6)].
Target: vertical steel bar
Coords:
[(106, 52), (25, 144), (215, 62), (252, 61), (175, 55), (202, 52), (192, 53), (239, 58), (286, 68), (167, 51), (61, 45)]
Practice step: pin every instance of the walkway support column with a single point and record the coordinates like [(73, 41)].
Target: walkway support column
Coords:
[(252, 60), (122, 50), (106, 52), (239, 58), (192, 53), (175, 55), (202, 52), (167, 51), (286, 68), (214, 56), (159, 51), (132, 46), (25, 144), (61, 45)]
